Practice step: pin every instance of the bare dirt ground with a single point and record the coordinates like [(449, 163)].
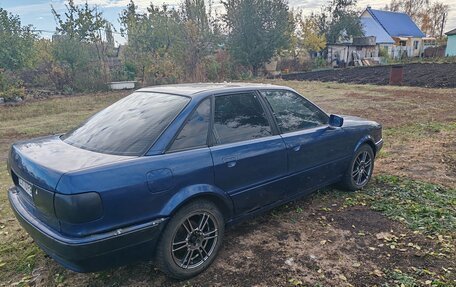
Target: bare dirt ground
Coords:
[(430, 75), (330, 238), (314, 242)]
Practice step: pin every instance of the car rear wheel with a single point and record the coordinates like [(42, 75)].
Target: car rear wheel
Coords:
[(360, 169), (191, 240)]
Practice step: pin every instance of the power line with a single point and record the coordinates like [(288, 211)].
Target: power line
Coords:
[(56, 32)]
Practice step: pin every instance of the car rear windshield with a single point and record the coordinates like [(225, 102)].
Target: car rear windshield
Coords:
[(129, 126)]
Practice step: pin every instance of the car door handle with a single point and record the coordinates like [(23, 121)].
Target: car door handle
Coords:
[(230, 161), (296, 148)]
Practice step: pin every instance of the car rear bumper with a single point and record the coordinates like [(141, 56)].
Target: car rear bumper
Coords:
[(91, 253)]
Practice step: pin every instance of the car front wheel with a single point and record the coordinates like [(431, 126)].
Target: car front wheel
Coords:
[(191, 240), (360, 169)]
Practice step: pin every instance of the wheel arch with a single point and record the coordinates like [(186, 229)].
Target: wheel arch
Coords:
[(200, 192), (369, 140)]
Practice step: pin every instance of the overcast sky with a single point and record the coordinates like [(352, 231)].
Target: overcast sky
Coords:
[(38, 12)]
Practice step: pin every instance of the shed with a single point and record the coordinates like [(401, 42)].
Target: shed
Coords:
[(361, 49), (451, 43)]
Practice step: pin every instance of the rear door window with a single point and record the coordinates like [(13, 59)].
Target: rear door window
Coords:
[(239, 117), (194, 132)]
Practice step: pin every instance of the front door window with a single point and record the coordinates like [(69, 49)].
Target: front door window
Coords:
[(239, 117), (293, 112)]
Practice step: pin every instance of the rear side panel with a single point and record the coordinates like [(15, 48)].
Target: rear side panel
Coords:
[(138, 190)]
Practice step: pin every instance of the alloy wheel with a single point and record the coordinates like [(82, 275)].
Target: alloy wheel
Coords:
[(362, 168), (195, 240)]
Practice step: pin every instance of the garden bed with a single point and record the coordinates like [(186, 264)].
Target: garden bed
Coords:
[(417, 74)]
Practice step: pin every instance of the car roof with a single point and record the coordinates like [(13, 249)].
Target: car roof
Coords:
[(208, 88)]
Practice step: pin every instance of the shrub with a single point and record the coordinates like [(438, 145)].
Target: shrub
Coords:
[(11, 87), (219, 67), (13, 93), (76, 66), (294, 64), (319, 63), (126, 72), (162, 71), (91, 79), (212, 69), (383, 53)]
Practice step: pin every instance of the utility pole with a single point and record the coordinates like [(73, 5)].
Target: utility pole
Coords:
[(443, 24)]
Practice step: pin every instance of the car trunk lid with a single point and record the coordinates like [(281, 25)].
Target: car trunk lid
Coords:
[(37, 165), (43, 161)]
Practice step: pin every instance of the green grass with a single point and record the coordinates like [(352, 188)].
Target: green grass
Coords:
[(422, 206), (419, 130), (426, 208), (401, 279), (18, 254), (48, 116)]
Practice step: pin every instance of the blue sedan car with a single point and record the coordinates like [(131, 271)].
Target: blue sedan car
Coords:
[(160, 173)]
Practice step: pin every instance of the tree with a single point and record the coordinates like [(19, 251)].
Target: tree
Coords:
[(177, 38), (413, 8), (79, 45), (311, 40), (199, 37), (338, 21), (258, 29), (80, 22), (82, 29), (439, 16), (434, 18), (109, 34), (152, 37), (16, 42)]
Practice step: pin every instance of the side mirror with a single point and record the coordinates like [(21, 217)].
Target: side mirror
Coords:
[(336, 121)]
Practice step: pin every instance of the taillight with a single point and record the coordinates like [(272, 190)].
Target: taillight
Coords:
[(78, 208), (43, 200)]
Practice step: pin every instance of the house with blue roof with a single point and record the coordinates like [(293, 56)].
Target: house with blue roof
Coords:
[(395, 32)]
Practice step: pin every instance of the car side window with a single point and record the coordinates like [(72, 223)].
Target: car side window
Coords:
[(194, 132), (239, 117), (293, 112)]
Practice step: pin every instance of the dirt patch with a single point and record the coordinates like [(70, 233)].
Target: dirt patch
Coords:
[(309, 242), (420, 75), (312, 242)]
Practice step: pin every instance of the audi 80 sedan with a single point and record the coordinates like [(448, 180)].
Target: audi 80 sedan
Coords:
[(160, 173)]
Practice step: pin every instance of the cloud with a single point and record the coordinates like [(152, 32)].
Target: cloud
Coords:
[(307, 4), (31, 8), (122, 3), (43, 7)]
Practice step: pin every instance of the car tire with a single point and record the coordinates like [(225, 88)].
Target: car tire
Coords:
[(359, 172), (191, 240)]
